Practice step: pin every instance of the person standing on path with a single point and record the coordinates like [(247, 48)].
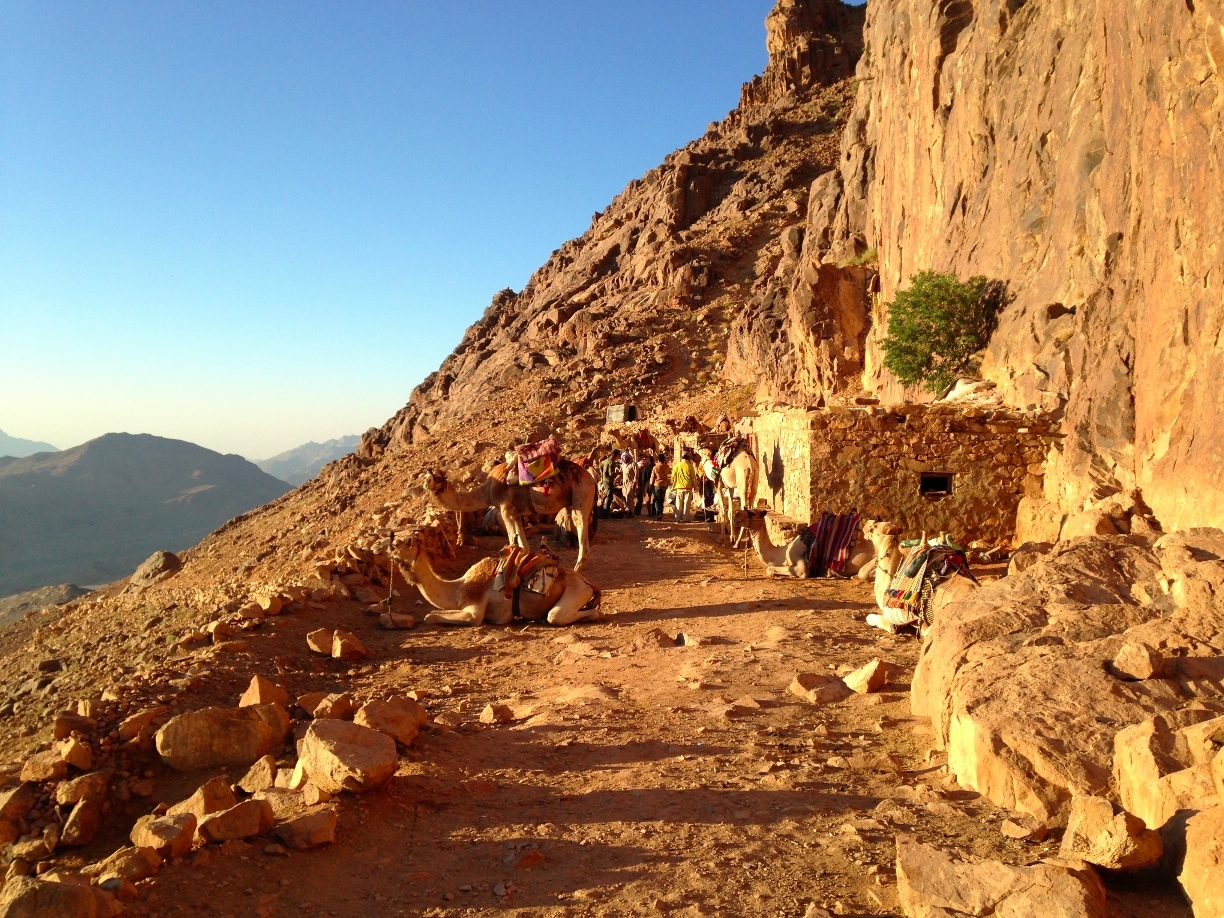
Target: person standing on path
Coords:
[(607, 483), (683, 478), (628, 481), (644, 468), (660, 478)]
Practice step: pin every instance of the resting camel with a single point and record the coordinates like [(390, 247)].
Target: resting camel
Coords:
[(572, 487), (791, 560), (473, 598), (738, 478), (886, 537)]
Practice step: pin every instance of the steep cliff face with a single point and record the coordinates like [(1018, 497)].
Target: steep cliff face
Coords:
[(1073, 150)]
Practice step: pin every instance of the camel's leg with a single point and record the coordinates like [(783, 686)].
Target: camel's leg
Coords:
[(459, 527), (569, 607), (469, 615), (514, 527), (579, 519)]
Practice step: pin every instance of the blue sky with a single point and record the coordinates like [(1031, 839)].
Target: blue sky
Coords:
[(250, 225)]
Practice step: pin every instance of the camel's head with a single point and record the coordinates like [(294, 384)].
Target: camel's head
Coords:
[(884, 536), (435, 481), (756, 518), (406, 547)]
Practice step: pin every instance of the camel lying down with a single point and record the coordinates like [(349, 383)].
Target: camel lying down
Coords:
[(791, 560), (477, 597)]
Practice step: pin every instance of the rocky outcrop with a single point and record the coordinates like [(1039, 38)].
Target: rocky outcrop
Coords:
[(810, 42), (1069, 149), (1019, 677)]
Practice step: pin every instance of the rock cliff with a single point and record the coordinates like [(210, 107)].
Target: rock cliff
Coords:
[(1072, 150)]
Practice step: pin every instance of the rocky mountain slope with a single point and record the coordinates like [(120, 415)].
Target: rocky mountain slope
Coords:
[(302, 463), (91, 513), (19, 448), (15, 607)]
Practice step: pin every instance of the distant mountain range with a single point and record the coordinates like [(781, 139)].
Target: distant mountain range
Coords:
[(18, 448), (92, 513), (303, 463)]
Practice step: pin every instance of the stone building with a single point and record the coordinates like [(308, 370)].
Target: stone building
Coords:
[(933, 468)]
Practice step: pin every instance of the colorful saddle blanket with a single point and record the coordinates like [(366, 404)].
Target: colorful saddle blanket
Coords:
[(538, 461), (922, 570), (727, 451), (828, 541), (518, 569)]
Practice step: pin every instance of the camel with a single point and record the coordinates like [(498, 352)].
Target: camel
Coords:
[(475, 598), (791, 560), (572, 487), (738, 478), (886, 537)]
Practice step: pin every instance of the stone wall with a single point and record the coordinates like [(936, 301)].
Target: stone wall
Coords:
[(872, 459)]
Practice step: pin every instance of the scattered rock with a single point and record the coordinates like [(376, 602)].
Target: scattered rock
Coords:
[(213, 737), (333, 707), (169, 836), (394, 621), (1117, 841), (338, 755), (312, 794), (75, 753), (132, 864), (819, 688), (309, 830), (212, 797), (320, 641), (1156, 772), (30, 897), (130, 727), (496, 714), (83, 822), (1136, 662), (159, 566), (285, 803), (260, 775), (347, 647), (933, 883), (67, 724), (1024, 828), (248, 818), (261, 691), (399, 718), (94, 784), (271, 605), (871, 677), (1202, 872), (44, 766), (15, 804)]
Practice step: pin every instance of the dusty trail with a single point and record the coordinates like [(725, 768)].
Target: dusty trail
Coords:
[(635, 778)]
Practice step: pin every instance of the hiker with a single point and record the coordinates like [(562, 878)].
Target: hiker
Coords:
[(683, 479), (708, 477), (660, 478), (607, 484), (628, 470), (644, 468)]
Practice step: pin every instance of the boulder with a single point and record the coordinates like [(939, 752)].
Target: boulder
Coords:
[(870, 677), (271, 604), (260, 775), (248, 818), (211, 797), (320, 641), (1026, 555), (308, 830), (333, 707), (347, 647), (132, 864), (285, 803), (31, 897), (67, 724), (933, 883), (94, 784), (1155, 771), (131, 727), (75, 753), (44, 766), (159, 566), (1137, 661), (338, 755), (399, 718), (215, 737), (83, 822), (1115, 840), (819, 688), (1202, 872), (170, 836), (261, 691), (15, 804), (313, 794), (496, 714)]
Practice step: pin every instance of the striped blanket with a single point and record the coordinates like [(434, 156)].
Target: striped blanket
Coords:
[(829, 541), (922, 569)]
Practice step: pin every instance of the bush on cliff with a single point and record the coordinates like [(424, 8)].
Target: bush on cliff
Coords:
[(938, 326)]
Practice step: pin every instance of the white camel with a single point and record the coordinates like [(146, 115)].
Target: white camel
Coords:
[(736, 479), (475, 598), (791, 560), (886, 537)]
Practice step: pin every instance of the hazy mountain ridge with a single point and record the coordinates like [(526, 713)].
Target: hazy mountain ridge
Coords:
[(303, 463), (92, 513), (18, 448)]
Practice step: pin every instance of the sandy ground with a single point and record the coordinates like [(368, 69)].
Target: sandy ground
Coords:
[(638, 777)]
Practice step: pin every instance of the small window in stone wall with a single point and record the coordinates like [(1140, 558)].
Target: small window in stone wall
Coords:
[(935, 484)]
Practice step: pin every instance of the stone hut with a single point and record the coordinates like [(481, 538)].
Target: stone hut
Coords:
[(932, 468)]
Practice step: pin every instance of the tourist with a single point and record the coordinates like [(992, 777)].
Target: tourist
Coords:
[(683, 479), (645, 466), (628, 470), (660, 478), (607, 484)]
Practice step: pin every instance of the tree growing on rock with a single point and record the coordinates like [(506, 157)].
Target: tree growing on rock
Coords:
[(938, 326)]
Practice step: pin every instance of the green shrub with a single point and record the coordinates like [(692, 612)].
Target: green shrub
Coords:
[(938, 327)]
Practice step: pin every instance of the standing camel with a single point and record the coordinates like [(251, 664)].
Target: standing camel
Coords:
[(737, 478), (886, 537), (476, 597), (572, 487)]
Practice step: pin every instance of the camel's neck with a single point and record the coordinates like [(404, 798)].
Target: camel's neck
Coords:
[(762, 545), (887, 563), (439, 593), (460, 501)]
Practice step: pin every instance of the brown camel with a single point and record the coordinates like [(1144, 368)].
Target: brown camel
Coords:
[(572, 487), (476, 597)]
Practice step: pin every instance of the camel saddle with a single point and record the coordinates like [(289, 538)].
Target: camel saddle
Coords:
[(518, 569)]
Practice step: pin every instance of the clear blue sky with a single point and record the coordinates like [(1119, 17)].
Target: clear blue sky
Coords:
[(253, 224)]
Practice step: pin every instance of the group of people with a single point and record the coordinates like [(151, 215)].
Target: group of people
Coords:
[(629, 485)]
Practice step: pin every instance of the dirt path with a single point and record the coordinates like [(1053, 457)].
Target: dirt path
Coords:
[(635, 778)]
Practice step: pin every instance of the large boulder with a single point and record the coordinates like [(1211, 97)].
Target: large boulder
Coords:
[(1161, 765), (216, 737), (211, 797), (338, 755), (932, 883), (1100, 835), (399, 718), (169, 836), (15, 803), (159, 566), (248, 818), (1202, 873), (30, 897), (1018, 678)]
